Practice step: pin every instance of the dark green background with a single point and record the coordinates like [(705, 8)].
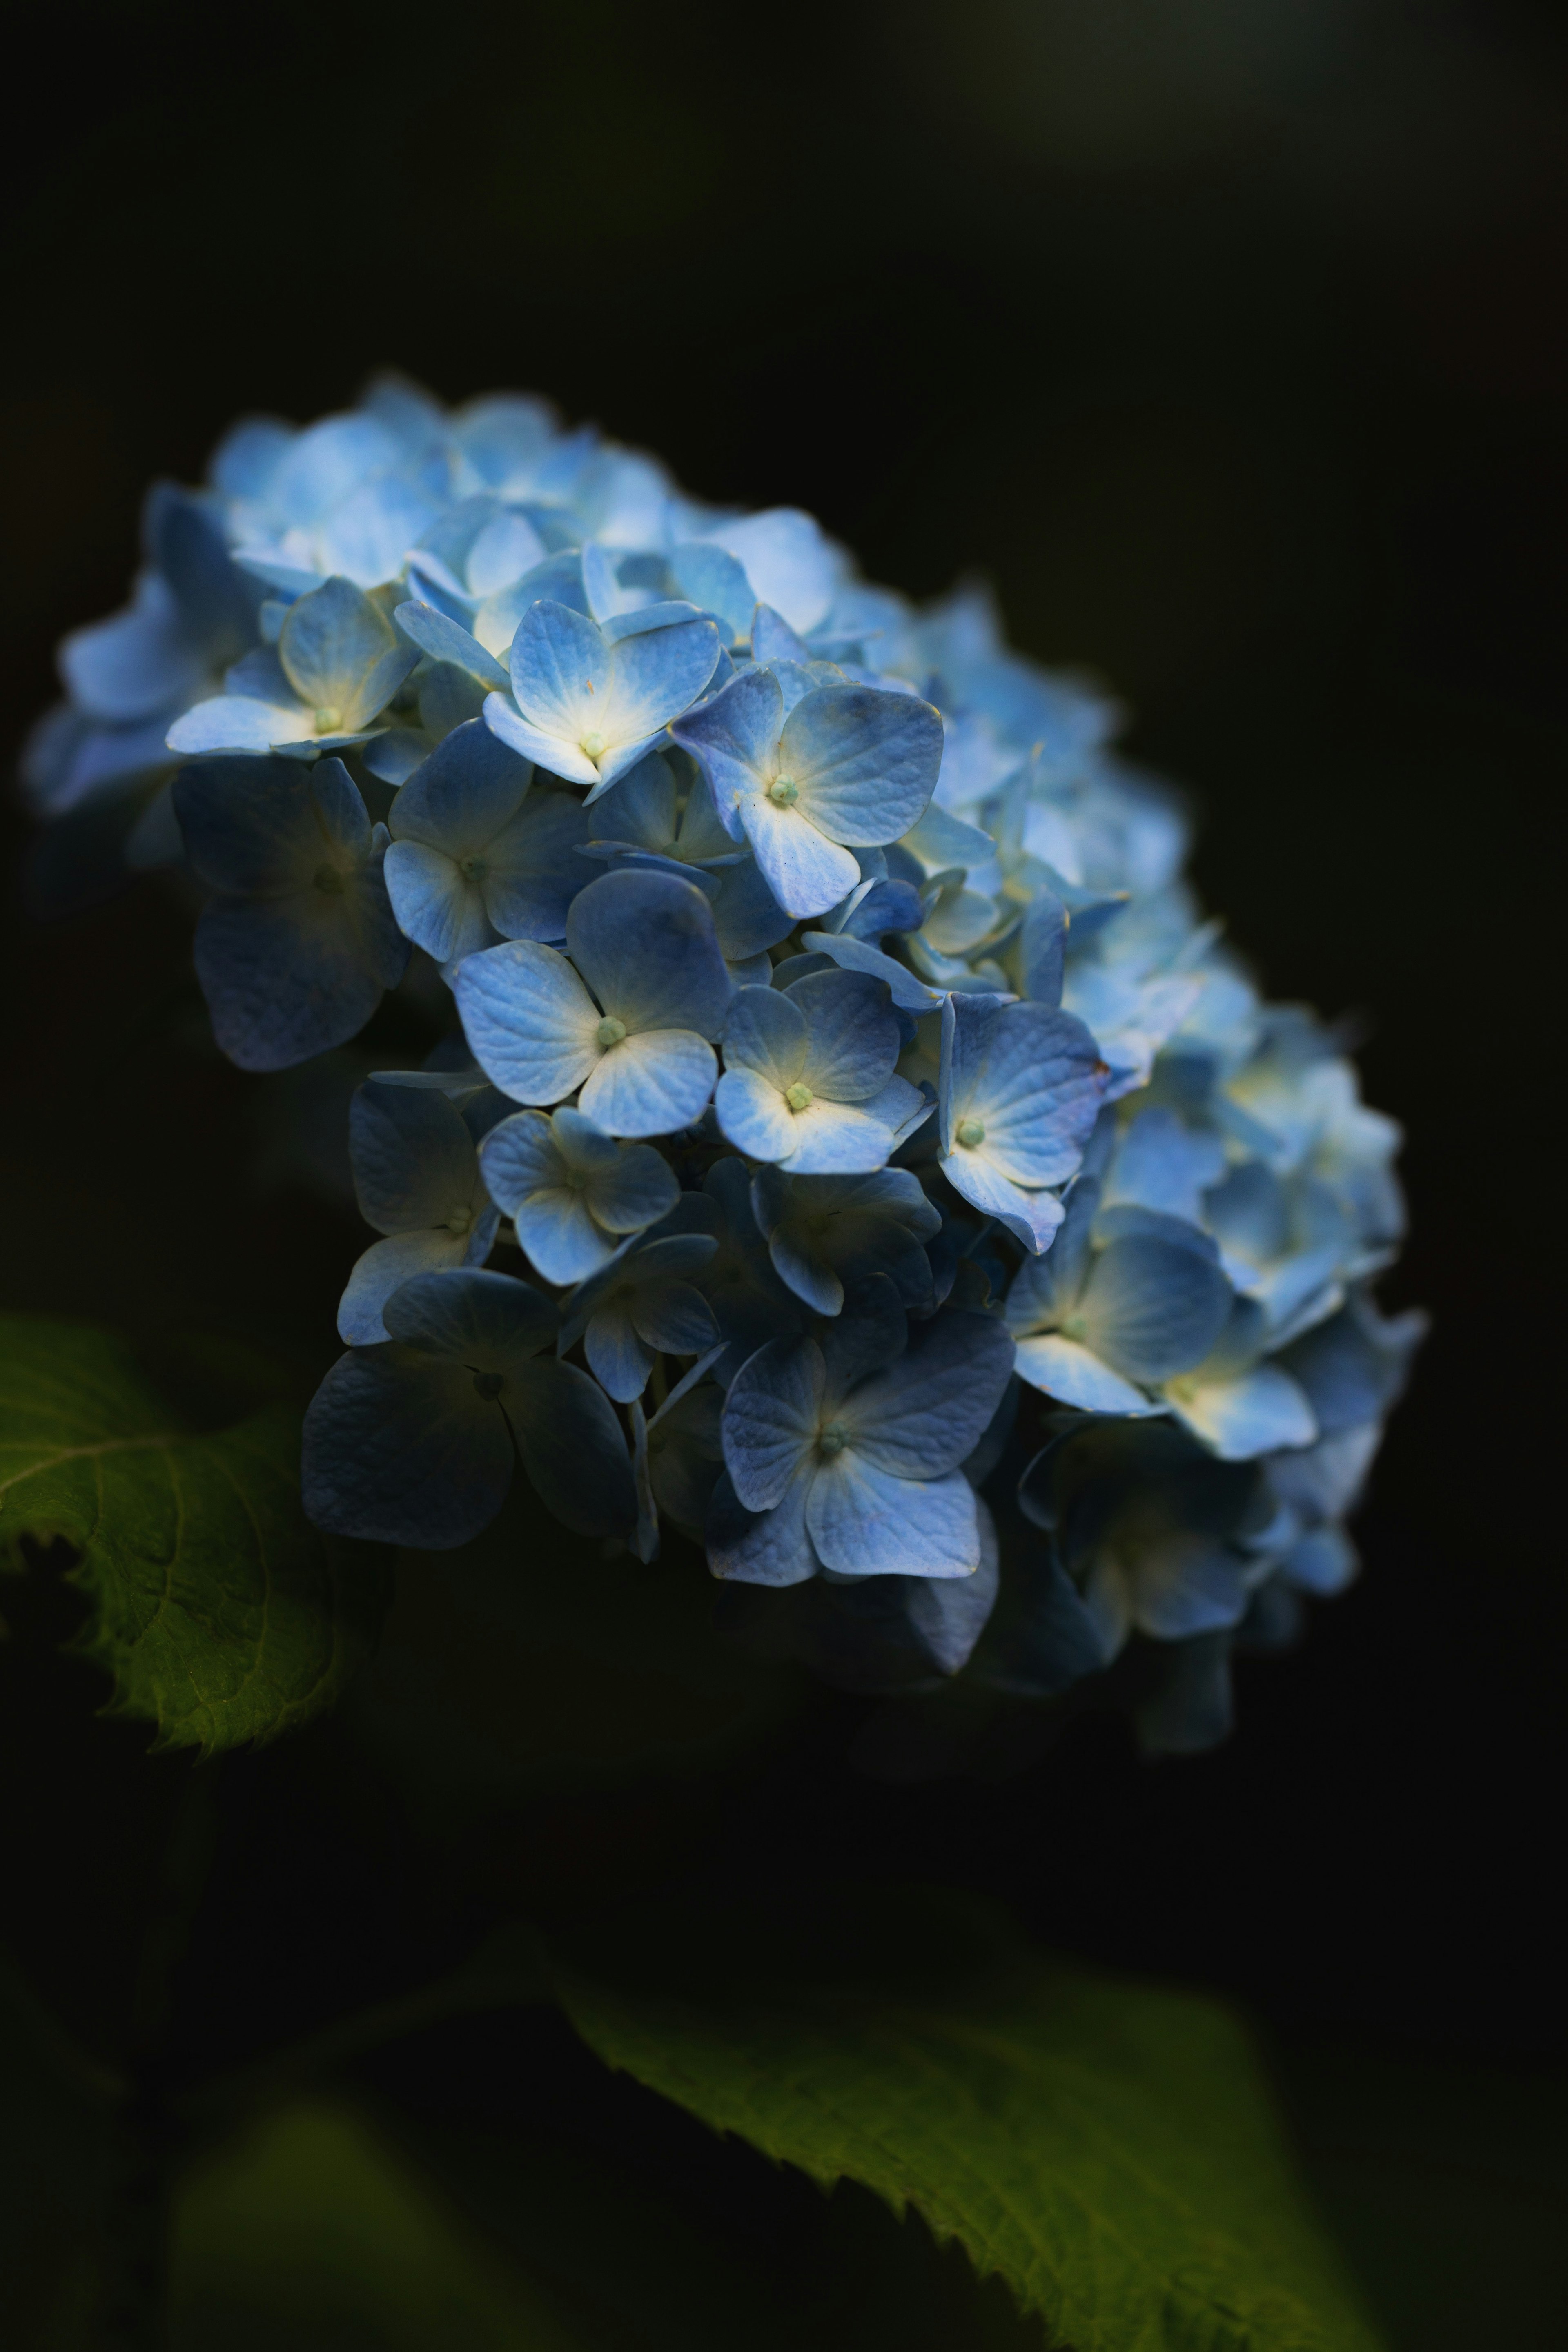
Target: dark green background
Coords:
[(1236, 350)]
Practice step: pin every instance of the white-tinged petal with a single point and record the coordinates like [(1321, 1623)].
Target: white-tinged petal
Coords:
[(1073, 1375)]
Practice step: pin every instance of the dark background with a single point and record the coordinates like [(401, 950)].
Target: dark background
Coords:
[(1233, 343)]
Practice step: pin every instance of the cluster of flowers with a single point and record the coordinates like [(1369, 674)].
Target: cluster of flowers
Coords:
[(894, 1186)]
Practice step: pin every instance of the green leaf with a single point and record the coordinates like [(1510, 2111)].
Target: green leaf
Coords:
[(313, 2229), (220, 1614), (1108, 2150)]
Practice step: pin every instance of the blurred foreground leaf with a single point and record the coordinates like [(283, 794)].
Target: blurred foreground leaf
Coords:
[(220, 1614), (310, 2232), (1108, 2149)]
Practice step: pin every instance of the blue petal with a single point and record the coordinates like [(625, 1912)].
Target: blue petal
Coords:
[(339, 650), (928, 1411), (137, 663), (436, 906), (772, 639), (238, 723), (556, 654), (1163, 1164), (789, 563), (771, 1416), (1031, 1075), (572, 1448), (806, 873), (770, 1546), (1247, 1415), (765, 1031), (654, 1084), (1031, 1217), (491, 1322), (673, 1316), (747, 917), (733, 738), (659, 673), (645, 945), (909, 993), (560, 1237), (530, 1021), (754, 1114), (412, 1158), (1152, 1309), (864, 762), (287, 978), (384, 1267), (1043, 947), (532, 872), (715, 584), (617, 1356), (853, 1038), (641, 812), (866, 1521), (833, 1138), (1074, 1375), (400, 1448), (443, 641)]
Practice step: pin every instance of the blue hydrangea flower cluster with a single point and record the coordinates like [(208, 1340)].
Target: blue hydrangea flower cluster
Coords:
[(849, 1147)]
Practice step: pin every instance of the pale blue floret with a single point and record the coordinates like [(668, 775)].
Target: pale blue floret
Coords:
[(589, 707), (1020, 1089), (638, 1047), (299, 941), (477, 548), (417, 1177), (1351, 1370), (573, 1193), (474, 858), (779, 559), (415, 1442), (809, 1076), (339, 661), (845, 1455), (192, 614), (1152, 1530), (826, 1234), (848, 766), (1161, 1163), (1096, 1327), (644, 1302), (1285, 1244), (1238, 1402)]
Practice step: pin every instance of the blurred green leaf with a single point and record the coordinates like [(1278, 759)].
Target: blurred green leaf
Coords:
[(221, 1615), (1108, 2149), (311, 2231)]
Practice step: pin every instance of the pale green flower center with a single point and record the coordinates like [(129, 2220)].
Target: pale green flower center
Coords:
[(834, 1438), (473, 868), (459, 1220), (1075, 1327), (610, 1031), (783, 792), (488, 1384), (328, 879), (799, 1097), (327, 717), (971, 1131), (594, 745)]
